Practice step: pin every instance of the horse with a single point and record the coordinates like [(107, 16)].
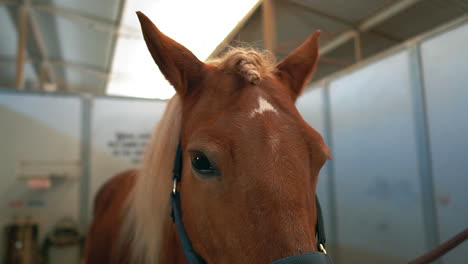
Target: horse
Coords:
[(248, 165)]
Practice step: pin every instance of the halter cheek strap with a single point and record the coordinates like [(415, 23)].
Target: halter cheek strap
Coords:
[(192, 256)]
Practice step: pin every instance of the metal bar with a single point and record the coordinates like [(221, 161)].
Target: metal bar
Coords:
[(338, 41), (70, 94), (367, 24), (21, 47), (382, 5), (39, 40), (235, 31), (269, 28), (424, 149), (387, 13), (85, 154), (95, 23), (101, 73)]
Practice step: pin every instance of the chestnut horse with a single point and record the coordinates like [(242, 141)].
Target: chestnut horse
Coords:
[(250, 164)]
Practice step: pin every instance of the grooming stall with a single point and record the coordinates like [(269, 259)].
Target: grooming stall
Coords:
[(56, 151)]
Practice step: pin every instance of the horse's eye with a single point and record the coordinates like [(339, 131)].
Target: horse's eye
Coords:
[(202, 165)]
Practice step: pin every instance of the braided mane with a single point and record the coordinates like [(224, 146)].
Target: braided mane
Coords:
[(250, 63)]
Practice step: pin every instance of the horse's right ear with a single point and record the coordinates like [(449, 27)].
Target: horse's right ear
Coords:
[(180, 67), (297, 68)]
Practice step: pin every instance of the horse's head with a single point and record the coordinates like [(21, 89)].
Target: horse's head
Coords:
[(250, 162)]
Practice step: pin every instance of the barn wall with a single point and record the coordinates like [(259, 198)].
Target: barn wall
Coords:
[(120, 128), (88, 138), (398, 130), (445, 76), (43, 131)]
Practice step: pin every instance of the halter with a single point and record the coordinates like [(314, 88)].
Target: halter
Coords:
[(312, 257)]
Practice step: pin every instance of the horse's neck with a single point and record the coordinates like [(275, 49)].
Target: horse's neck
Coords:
[(171, 249)]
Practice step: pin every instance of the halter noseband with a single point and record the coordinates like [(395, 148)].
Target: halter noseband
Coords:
[(192, 256)]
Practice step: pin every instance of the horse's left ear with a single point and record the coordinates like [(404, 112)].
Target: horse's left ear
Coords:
[(180, 67), (297, 68)]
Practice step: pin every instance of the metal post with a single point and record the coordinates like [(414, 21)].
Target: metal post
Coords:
[(423, 149), (42, 76), (86, 108), (357, 47), (269, 28), (330, 167)]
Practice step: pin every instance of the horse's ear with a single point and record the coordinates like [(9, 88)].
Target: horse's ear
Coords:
[(180, 67), (297, 68)]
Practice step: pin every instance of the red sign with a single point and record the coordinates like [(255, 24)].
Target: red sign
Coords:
[(39, 183), (15, 203)]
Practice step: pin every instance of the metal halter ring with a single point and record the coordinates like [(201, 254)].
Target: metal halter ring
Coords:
[(322, 248), (174, 186)]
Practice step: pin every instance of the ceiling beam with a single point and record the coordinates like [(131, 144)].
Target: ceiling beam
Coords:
[(61, 83), (368, 24), (96, 23), (321, 13), (39, 40), (341, 20), (101, 73), (322, 59), (385, 14), (338, 41), (98, 72)]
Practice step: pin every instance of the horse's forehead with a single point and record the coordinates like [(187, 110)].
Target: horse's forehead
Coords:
[(252, 114), (232, 98), (254, 118), (263, 105), (228, 102)]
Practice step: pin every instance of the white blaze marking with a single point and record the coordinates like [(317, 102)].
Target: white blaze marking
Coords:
[(263, 106)]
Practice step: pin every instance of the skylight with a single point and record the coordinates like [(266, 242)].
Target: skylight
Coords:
[(198, 25)]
